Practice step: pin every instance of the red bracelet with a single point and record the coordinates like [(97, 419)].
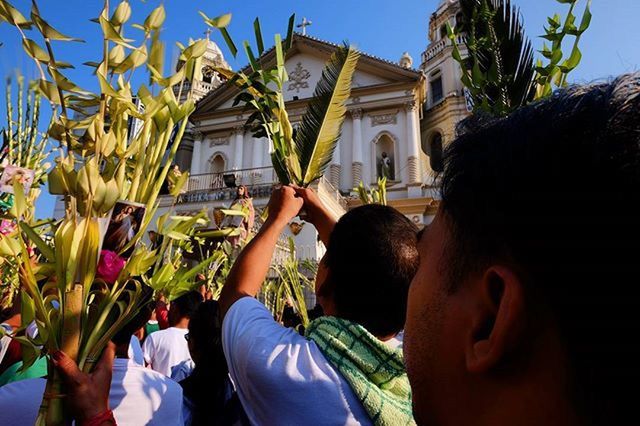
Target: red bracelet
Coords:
[(100, 419)]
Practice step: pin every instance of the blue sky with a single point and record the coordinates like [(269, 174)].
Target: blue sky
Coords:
[(379, 27)]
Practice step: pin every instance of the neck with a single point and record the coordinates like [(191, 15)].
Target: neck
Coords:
[(181, 323), (122, 350)]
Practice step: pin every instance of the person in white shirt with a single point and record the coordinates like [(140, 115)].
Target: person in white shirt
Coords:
[(137, 395), (167, 348), (284, 378)]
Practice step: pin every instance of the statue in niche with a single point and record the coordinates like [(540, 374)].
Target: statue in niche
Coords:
[(384, 167)]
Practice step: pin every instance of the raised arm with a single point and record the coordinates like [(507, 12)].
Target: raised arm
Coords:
[(251, 267), (317, 214)]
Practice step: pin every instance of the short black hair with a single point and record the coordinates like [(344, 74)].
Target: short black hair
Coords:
[(123, 336), (372, 258), (554, 190), (187, 303)]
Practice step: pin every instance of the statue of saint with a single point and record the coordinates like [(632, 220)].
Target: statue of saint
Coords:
[(385, 166)]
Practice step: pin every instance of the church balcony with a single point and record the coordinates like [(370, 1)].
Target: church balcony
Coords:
[(222, 186)]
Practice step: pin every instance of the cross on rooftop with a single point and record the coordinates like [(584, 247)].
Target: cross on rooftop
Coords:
[(304, 24), (207, 33)]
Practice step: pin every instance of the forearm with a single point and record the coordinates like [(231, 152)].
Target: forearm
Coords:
[(324, 223), (251, 267)]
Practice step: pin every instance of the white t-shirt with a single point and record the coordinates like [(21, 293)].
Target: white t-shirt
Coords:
[(281, 377), (165, 349), (138, 396), (135, 351)]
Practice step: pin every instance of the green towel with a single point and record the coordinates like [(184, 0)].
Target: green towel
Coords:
[(374, 371)]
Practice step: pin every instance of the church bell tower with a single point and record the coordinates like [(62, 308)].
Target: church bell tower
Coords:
[(446, 101)]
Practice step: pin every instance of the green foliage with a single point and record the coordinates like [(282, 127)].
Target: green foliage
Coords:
[(288, 287), (374, 195), (98, 162), (499, 70), (299, 157)]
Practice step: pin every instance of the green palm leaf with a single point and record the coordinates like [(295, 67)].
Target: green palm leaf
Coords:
[(322, 123), (500, 55)]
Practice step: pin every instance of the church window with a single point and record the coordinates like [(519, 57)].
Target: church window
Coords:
[(437, 91), (443, 32), (436, 157), (459, 21)]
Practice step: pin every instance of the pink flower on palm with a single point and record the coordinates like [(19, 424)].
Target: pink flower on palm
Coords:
[(7, 227), (109, 266)]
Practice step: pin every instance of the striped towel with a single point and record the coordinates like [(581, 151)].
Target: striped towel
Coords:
[(374, 371)]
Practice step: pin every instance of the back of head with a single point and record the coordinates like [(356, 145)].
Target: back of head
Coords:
[(185, 305), (123, 336), (372, 257), (205, 330), (554, 190)]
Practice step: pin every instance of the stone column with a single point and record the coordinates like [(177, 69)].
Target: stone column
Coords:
[(413, 149), (238, 147), (356, 167), (257, 160), (197, 153), (335, 168)]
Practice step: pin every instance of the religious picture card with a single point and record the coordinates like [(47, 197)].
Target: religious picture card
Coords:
[(14, 174), (124, 223)]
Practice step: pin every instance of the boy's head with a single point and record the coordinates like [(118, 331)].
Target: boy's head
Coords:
[(184, 306), (365, 274)]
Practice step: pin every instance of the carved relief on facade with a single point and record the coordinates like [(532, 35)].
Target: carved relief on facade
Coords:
[(219, 140), (384, 119), (298, 78)]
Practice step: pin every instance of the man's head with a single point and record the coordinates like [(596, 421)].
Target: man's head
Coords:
[(525, 302), (365, 274), (205, 330), (184, 306)]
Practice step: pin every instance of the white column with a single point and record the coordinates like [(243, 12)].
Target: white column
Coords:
[(413, 148), (238, 147), (356, 167), (335, 168), (196, 156), (257, 159)]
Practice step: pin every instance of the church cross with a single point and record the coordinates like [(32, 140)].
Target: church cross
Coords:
[(207, 33), (304, 24)]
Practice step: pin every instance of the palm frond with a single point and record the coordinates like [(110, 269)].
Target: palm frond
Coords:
[(500, 55), (322, 123)]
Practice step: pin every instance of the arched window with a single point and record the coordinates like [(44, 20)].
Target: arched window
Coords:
[(218, 164), (443, 31), (435, 157), (459, 21)]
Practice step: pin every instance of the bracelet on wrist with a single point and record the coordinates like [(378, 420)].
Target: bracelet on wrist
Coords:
[(105, 417)]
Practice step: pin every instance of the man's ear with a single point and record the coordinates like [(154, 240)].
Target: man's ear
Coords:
[(498, 318)]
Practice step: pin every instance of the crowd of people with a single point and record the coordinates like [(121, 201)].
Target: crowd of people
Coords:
[(515, 306)]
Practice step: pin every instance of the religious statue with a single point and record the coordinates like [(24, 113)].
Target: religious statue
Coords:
[(243, 202), (385, 166)]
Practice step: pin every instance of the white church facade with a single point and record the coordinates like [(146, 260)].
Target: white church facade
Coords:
[(408, 114)]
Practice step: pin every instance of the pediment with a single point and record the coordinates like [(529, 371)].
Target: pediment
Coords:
[(304, 63)]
